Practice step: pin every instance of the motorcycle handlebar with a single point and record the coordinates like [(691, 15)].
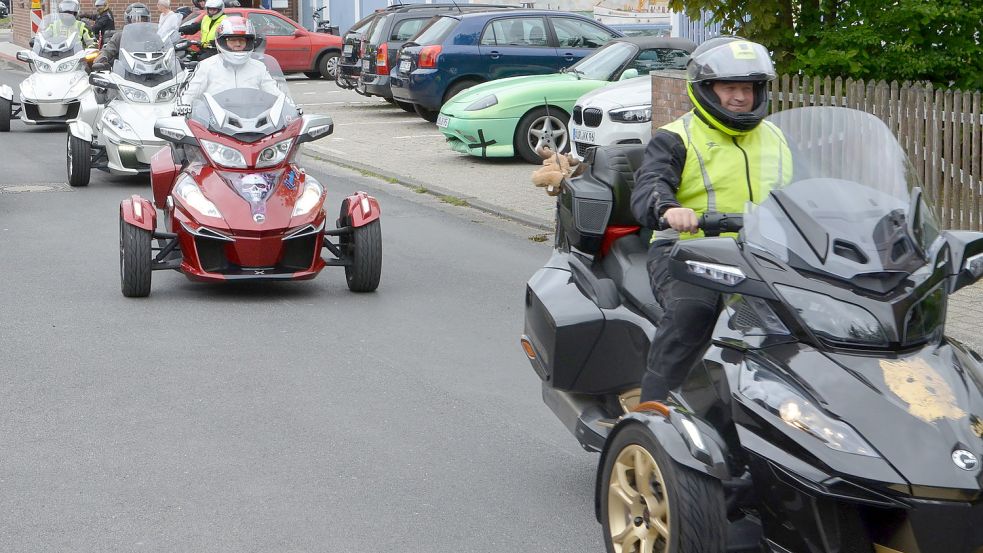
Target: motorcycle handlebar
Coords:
[(713, 223)]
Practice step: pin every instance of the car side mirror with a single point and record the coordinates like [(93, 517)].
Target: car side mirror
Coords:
[(24, 56), (315, 127), (97, 80), (629, 74), (298, 32)]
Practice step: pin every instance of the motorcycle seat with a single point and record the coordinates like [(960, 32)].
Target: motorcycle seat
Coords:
[(627, 265)]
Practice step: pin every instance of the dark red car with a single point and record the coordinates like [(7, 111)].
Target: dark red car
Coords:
[(296, 49)]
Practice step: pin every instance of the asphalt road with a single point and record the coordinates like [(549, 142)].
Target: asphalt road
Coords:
[(286, 417)]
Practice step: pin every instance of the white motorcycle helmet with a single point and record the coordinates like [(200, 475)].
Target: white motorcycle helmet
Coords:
[(70, 7), (235, 40), (214, 8)]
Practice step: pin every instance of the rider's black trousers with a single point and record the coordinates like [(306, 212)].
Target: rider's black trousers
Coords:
[(685, 330)]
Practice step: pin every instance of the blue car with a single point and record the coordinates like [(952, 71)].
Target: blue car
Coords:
[(459, 50)]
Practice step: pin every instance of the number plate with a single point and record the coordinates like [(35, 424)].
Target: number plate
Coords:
[(582, 135), (365, 65), (404, 66), (443, 121), (348, 49)]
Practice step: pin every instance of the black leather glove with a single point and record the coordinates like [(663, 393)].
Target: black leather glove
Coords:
[(182, 110)]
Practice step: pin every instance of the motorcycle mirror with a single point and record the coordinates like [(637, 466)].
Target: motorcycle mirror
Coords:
[(24, 56), (182, 45), (174, 129), (716, 264), (315, 127), (95, 79), (966, 249)]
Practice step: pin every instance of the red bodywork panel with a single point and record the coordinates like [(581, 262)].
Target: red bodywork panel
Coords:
[(357, 213), (163, 172), (614, 232), (138, 212)]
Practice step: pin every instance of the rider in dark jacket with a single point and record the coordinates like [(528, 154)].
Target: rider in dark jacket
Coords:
[(135, 13), (103, 20)]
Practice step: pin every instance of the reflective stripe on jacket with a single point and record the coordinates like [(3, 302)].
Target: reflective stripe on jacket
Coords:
[(722, 172), (209, 28)]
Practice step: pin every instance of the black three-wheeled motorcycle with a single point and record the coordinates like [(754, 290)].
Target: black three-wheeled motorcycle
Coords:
[(830, 413)]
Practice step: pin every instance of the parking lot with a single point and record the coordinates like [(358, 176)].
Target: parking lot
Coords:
[(376, 137)]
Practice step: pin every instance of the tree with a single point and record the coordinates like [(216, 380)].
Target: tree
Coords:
[(934, 40)]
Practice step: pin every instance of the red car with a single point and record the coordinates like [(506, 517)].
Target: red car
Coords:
[(296, 49)]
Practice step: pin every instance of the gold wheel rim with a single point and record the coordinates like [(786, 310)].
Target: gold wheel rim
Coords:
[(638, 506)]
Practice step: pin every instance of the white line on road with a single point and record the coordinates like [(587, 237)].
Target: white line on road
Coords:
[(337, 103), (419, 136)]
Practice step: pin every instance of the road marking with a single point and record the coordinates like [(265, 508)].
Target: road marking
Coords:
[(338, 103), (419, 136), (35, 187), (364, 123)]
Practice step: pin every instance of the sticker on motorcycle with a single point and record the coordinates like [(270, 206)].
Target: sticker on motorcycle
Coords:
[(917, 383)]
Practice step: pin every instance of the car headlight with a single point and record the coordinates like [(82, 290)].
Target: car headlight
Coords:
[(763, 386), (110, 116), (66, 66), (275, 154), (167, 94), (486, 102), (134, 94), (191, 195), (310, 198), (224, 156), (834, 320), (634, 114)]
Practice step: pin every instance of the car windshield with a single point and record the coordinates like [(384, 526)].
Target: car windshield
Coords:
[(251, 111), (58, 38), (435, 31), (144, 58), (853, 205), (602, 64)]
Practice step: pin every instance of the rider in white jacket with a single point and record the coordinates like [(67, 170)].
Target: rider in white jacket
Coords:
[(233, 68)]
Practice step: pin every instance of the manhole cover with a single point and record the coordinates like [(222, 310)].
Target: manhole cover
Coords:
[(35, 187)]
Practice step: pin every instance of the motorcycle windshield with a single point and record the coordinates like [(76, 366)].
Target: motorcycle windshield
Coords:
[(58, 38), (144, 57), (853, 205), (254, 104)]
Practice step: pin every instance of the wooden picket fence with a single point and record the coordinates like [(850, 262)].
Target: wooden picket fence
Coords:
[(941, 131)]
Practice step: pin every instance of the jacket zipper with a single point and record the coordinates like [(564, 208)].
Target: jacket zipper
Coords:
[(747, 170)]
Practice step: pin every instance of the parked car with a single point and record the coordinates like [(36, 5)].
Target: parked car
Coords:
[(350, 61), (296, 49), (643, 29), (4, 12), (380, 50), (617, 114), (458, 51), (516, 116)]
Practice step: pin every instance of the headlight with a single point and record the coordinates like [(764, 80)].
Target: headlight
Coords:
[(167, 94), (110, 116), (274, 154), (224, 156), (486, 102), (634, 114), (764, 387), (191, 195), (309, 198), (134, 94), (834, 320), (67, 66), (42, 66)]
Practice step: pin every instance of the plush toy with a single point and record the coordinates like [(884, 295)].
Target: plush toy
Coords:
[(555, 169)]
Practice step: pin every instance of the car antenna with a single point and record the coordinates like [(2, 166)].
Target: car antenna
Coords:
[(456, 6), (551, 190)]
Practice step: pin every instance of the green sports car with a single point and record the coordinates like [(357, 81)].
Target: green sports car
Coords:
[(514, 116)]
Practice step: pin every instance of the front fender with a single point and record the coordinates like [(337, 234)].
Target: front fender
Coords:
[(138, 212), (80, 129), (6, 93), (692, 444), (362, 209)]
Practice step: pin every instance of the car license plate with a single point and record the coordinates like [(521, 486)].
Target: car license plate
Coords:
[(583, 135), (443, 121), (404, 66), (365, 65), (348, 49)]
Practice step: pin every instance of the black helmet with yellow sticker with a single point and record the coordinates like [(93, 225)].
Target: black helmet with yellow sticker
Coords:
[(729, 59)]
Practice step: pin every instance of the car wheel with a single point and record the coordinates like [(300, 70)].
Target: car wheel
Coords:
[(457, 88), (406, 106), (651, 503), (428, 114), (536, 129), (364, 248), (312, 75), (328, 65), (79, 161), (134, 260), (6, 108)]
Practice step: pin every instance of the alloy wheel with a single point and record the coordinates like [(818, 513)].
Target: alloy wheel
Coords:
[(547, 131), (638, 507)]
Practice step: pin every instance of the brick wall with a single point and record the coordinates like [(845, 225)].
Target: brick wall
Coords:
[(21, 13), (669, 97)]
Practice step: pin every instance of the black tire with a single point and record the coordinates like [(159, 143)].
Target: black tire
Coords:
[(457, 88), (364, 248), (696, 518), (313, 75), (389, 100), (6, 108), (78, 161), (327, 65), (134, 260), (535, 120), (406, 106), (428, 114)]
